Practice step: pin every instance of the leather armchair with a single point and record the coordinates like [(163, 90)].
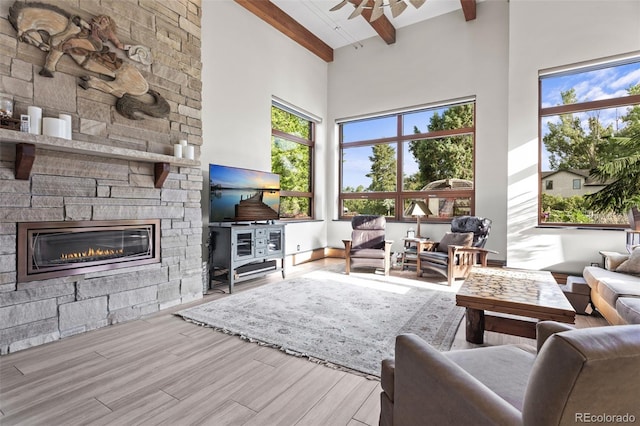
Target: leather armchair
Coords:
[(459, 250), (367, 247), (575, 374)]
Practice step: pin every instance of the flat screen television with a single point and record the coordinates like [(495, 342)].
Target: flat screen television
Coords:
[(242, 195)]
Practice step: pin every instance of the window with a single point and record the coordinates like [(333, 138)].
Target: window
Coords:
[(389, 161), (549, 185), (577, 184), (587, 117), (292, 142)]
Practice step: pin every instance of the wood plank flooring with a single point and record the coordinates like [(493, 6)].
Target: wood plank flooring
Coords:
[(164, 370)]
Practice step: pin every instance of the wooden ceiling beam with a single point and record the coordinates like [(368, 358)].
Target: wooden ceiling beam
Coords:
[(469, 9), (277, 18), (382, 25)]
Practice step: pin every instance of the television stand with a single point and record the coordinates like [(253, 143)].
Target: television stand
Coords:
[(238, 252)]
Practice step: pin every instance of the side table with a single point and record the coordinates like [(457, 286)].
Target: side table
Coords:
[(412, 246)]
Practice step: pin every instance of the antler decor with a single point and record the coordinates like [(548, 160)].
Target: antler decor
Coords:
[(396, 6)]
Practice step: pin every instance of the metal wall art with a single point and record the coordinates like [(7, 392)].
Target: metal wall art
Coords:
[(57, 32)]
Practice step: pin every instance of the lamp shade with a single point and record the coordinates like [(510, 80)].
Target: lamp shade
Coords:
[(418, 208)]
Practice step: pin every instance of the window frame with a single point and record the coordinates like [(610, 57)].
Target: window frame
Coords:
[(310, 143), (400, 196), (577, 107), (577, 184)]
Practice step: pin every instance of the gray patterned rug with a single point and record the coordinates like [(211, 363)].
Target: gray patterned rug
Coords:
[(342, 320)]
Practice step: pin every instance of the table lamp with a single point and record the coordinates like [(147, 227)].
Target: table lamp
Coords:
[(418, 209)]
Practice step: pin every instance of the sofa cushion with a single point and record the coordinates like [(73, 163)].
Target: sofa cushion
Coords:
[(594, 274), (629, 309), (455, 239), (503, 369), (435, 257), (369, 222), (367, 239), (368, 253), (612, 288), (631, 265)]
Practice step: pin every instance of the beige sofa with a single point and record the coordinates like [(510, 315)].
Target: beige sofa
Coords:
[(616, 295), (575, 376)]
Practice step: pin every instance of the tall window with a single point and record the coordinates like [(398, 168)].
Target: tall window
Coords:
[(589, 121), (388, 162), (292, 141)]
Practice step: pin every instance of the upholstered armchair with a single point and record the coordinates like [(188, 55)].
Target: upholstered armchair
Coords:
[(459, 250), (367, 247), (575, 375)]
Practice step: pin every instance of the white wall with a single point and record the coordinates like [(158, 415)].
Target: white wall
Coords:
[(442, 59), (245, 62), (547, 34)]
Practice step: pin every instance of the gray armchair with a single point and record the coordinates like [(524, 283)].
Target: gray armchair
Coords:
[(459, 250), (367, 247), (576, 373)]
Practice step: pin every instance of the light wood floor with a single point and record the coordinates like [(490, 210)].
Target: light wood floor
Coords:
[(163, 370)]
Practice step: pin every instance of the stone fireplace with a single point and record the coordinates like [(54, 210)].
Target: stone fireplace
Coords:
[(60, 249), (116, 181)]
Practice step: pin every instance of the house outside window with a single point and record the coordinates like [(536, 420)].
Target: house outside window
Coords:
[(577, 184), (292, 143), (586, 114), (388, 162)]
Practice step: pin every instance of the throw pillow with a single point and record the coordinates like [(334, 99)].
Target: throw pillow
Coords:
[(631, 265), (455, 239), (612, 259)]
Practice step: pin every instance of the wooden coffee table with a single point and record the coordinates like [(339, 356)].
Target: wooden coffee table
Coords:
[(532, 294)]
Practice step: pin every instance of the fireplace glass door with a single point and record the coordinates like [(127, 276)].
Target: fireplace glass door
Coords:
[(66, 249), (57, 249)]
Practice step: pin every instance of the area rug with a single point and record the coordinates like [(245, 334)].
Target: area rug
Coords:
[(342, 320)]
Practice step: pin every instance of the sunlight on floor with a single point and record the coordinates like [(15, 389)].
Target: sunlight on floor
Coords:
[(390, 283)]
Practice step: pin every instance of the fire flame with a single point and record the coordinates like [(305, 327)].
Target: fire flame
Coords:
[(91, 252)]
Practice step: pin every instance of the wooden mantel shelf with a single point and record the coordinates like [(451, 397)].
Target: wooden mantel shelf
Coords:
[(26, 144)]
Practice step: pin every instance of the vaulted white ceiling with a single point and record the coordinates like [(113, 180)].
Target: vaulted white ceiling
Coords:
[(336, 30)]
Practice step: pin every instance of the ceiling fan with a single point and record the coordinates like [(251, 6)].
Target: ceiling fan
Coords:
[(377, 10)]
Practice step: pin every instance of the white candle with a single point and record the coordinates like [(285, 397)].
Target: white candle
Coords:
[(35, 118), (67, 125), (177, 150), (190, 152), (53, 127)]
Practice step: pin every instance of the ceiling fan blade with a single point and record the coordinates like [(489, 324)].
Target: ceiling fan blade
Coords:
[(358, 10), (377, 10), (417, 3), (397, 7), (338, 6)]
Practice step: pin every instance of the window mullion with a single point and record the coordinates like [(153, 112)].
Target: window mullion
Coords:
[(591, 105)]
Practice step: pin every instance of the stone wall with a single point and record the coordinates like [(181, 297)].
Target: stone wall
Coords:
[(74, 186)]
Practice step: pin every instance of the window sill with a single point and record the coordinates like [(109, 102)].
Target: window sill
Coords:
[(582, 227)]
